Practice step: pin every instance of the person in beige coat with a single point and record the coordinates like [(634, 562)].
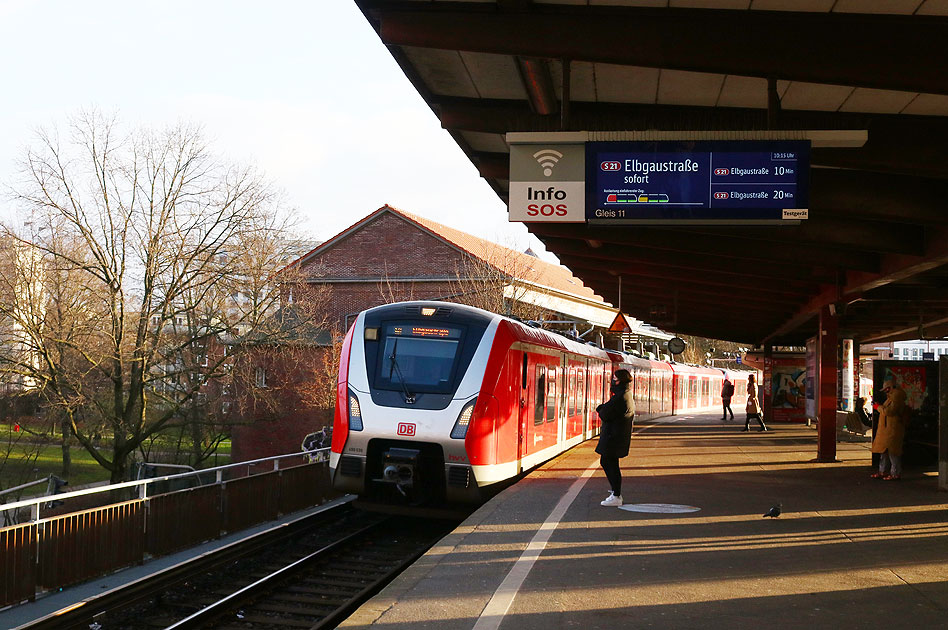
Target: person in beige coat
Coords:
[(752, 408), (890, 433)]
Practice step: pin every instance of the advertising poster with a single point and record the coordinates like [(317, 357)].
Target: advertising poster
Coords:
[(919, 380), (789, 389), (811, 378), (847, 400)]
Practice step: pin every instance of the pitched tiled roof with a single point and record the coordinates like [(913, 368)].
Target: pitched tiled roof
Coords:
[(517, 264), (520, 265)]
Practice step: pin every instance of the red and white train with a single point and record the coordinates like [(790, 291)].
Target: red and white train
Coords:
[(437, 401)]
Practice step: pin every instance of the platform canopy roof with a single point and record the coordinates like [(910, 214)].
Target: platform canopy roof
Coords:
[(875, 246)]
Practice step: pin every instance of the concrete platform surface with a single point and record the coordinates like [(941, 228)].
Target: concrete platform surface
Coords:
[(847, 551)]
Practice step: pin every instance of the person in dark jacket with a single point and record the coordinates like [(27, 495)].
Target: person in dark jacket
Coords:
[(616, 432), (727, 391)]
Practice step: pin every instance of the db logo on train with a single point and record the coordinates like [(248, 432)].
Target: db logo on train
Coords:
[(405, 428)]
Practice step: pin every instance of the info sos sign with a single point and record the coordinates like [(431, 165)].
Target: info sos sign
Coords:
[(558, 202), (547, 182)]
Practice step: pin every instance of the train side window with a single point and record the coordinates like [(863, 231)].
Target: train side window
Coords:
[(581, 391), (523, 372), (572, 391), (551, 395), (539, 403)]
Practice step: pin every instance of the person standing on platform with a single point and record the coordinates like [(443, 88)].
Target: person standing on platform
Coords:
[(862, 417), (616, 433), (727, 391), (889, 435), (753, 405)]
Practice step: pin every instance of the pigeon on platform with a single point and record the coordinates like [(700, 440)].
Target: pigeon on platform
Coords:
[(774, 512)]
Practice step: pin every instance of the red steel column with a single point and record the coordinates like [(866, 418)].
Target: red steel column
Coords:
[(826, 390)]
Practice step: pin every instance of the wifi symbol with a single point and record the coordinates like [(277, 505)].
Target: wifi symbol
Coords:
[(547, 158)]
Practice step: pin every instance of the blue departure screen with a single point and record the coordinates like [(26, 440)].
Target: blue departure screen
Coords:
[(719, 180)]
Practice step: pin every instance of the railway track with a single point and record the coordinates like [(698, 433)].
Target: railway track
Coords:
[(312, 576)]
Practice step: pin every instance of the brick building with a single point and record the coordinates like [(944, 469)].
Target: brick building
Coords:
[(391, 256)]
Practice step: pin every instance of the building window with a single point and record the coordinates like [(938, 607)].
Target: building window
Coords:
[(261, 377)]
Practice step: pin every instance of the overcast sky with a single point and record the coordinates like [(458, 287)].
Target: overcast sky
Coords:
[(304, 90)]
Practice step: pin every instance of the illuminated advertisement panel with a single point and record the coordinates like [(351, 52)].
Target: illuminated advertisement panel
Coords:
[(699, 181)]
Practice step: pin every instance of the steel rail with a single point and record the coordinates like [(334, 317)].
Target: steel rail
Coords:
[(332, 619), (223, 606)]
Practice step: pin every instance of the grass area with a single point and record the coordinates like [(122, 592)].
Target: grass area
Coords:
[(83, 469)]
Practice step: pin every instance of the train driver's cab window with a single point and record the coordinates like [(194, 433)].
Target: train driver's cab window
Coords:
[(540, 403), (419, 358)]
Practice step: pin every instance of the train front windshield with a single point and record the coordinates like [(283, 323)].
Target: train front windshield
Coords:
[(419, 358)]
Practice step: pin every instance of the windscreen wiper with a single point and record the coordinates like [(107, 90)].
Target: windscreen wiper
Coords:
[(409, 397)]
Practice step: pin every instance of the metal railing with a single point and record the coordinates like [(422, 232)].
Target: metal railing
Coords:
[(143, 485), (88, 533)]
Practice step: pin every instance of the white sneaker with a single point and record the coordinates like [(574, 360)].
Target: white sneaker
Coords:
[(612, 500)]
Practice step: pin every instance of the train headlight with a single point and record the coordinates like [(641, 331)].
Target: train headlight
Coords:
[(355, 413), (464, 419)]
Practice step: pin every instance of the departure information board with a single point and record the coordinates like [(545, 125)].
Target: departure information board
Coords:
[(697, 181)]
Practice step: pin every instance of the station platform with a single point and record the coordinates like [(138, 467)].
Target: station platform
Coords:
[(846, 552)]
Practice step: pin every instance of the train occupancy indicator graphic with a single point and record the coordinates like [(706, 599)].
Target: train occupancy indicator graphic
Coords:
[(637, 198)]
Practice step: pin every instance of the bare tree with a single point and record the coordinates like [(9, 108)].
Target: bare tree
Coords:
[(391, 291), (503, 282), (700, 350), (155, 251)]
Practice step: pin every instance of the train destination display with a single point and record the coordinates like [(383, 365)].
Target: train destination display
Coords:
[(697, 181)]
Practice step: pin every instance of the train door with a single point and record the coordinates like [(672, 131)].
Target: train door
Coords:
[(579, 420), (642, 390), (655, 392), (569, 401), (525, 410), (587, 389), (563, 383), (596, 374), (535, 410), (554, 377)]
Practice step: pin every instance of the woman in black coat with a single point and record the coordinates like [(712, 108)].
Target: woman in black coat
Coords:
[(616, 432)]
